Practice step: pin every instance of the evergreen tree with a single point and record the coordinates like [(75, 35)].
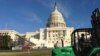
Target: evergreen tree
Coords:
[(5, 42)]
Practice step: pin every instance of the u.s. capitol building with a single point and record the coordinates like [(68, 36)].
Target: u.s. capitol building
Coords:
[(55, 31)]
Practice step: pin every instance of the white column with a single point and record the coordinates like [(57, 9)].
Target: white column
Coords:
[(47, 36)]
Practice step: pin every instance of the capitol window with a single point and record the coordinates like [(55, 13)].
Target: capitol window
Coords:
[(48, 41), (52, 41), (32, 36)]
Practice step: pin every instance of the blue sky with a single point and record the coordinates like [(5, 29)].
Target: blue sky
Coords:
[(31, 15)]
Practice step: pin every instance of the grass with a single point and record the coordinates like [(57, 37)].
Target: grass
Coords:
[(43, 52)]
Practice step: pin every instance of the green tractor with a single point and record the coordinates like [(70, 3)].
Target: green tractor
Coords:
[(84, 41)]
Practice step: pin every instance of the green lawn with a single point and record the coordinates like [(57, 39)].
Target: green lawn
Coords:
[(46, 52)]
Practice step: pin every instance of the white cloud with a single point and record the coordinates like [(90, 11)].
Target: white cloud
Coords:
[(34, 17), (50, 5), (80, 25), (85, 3), (31, 16), (63, 9), (46, 4)]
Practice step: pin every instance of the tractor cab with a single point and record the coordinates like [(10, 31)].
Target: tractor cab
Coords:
[(81, 41)]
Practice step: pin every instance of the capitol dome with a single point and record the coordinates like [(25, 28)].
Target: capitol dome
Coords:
[(56, 19)]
